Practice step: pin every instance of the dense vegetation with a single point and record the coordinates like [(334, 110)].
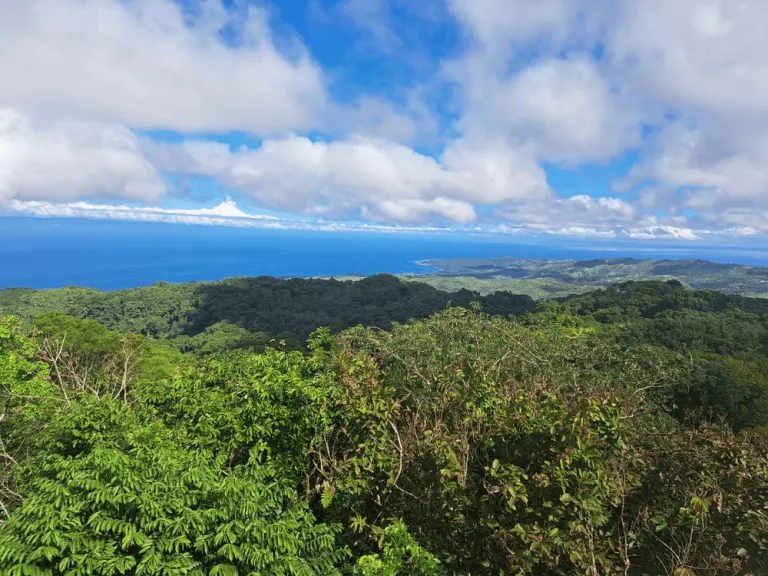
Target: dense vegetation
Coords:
[(249, 312), (542, 279), (616, 432)]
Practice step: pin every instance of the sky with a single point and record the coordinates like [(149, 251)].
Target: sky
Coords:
[(612, 119)]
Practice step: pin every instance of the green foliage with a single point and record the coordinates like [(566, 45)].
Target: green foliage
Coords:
[(27, 401), (591, 436), (727, 387), (401, 556), (222, 337), (241, 405), (87, 339), (148, 506), (213, 317), (86, 357), (519, 450), (645, 299), (24, 386), (724, 337)]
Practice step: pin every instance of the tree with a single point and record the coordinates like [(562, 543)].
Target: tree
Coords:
[(146, 505), (535, 451), (85, 357), (400, 556), (591, 436), (27, 400)]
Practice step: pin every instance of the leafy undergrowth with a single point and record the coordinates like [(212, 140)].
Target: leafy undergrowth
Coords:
[(558, 443)]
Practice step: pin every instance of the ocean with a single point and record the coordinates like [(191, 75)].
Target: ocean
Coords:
[(50, 253)]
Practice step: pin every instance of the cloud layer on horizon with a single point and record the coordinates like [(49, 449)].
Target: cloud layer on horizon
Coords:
[(106, 105)]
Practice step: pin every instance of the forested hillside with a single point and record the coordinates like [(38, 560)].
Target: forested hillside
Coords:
[(164, 431), (239, 311)]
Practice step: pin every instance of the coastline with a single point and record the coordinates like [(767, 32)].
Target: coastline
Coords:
[(424, 264)]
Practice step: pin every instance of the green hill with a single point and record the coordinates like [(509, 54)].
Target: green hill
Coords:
[(619, 431)]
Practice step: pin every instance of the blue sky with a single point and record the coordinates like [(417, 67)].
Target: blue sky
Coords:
[(620, 121)]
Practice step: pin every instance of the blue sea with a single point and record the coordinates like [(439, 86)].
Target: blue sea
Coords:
[(50, 253)]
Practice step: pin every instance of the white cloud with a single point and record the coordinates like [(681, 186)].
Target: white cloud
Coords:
[(225, 214), (504, 26), (376, 117), (563, 110), (548, 220), (372, 16), (362, 177), (704, 62), (593, 217), (669, 232), (723, 169), (148, 65), (530, 78), (735, 219), (701, 62), (67, 161), (414, 210), (604, 215), (704, 55), (492, 171), (528, 90), (581, 231)]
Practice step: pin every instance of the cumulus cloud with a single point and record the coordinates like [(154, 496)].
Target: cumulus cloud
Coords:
[(738, 221), (718, 167), (364, 177), (372, 116), (502, 27), (66, 160), (577, 212), (547, 219), (705, 63), (694, 70), (151, 64), (536, 82), (561, 109), (669, 232), (148, 64), (530, 77), (704, 55), (604, 217), (225, 214)]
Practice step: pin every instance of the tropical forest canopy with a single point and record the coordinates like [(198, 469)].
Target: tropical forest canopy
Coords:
[(382, 428), (247, 312)]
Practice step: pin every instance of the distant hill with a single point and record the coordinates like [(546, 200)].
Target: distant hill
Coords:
[(235, 311), (543, 279)]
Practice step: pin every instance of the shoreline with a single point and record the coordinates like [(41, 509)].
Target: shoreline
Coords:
[(423, 264)]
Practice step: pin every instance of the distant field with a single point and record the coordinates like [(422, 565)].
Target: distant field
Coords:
[(537, 288), (542, 279), (546, 279)]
